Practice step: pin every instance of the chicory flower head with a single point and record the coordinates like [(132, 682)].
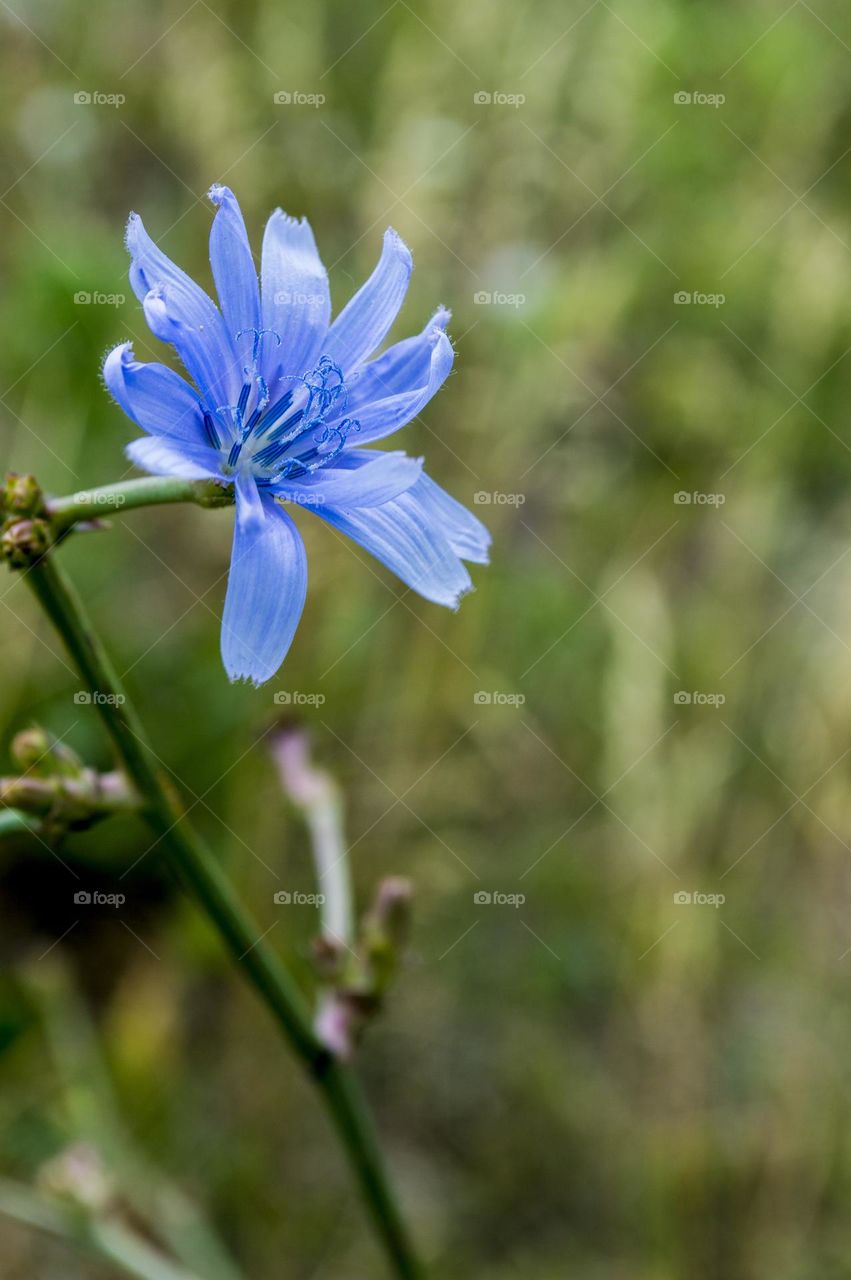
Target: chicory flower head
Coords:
[(282, 404)]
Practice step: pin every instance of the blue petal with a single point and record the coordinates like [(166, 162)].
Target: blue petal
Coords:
[(250, 511), (383, 417), (233, 267), (165, 457), (466, 534), (184, 316), (265, 597), (366, 480), (156, 398), (296, 301), (365, 321), (402, 535), (400, 368)]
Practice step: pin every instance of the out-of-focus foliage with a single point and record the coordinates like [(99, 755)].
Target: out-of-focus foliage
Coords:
[(600, 1082)]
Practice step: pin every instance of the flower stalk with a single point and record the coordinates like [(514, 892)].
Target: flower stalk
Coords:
[(199, 869), (355, 965), (111, 499)]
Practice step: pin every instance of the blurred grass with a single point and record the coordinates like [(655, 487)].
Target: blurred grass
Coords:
[(601, 1082)]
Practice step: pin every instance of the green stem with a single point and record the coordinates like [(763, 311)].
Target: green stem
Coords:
[(109, 1238), (110, 499), (198, 867)]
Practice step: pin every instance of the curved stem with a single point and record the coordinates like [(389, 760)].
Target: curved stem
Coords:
[(200, 870), (110, 499)]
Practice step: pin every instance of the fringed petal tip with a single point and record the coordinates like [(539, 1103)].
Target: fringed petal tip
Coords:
[(246, 678), (278, 215), (218, 194), (463, 591), (131, 231)]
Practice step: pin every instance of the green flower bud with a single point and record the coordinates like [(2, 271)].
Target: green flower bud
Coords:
[(36, 751), (24, 542), (23, 496)]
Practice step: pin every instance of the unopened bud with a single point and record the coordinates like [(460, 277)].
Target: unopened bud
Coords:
[(390, 915), (22, 495), (30, 747), (385, 929), (24, 542), (36, 751)]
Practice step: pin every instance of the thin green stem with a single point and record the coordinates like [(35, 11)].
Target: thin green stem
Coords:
[(200, 870), (110, 499)]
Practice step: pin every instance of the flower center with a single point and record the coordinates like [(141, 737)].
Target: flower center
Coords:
[(301, 431)]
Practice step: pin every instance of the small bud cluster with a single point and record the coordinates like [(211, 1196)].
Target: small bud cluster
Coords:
[(355, 984), (25, 532), (57, 788)]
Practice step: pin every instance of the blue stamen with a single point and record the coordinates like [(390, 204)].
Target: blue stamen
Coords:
[(212, 433)]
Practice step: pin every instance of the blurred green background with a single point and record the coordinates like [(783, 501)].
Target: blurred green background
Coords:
[(602, 1081)]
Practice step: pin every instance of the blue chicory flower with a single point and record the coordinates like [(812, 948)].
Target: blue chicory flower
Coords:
[(282, 403)]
